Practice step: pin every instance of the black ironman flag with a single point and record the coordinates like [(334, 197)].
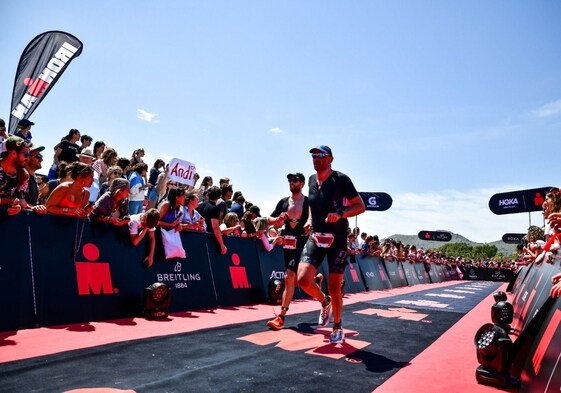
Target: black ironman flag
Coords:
[(43, 61)]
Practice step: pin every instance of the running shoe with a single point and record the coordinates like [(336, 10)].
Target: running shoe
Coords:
[(337, 336), (277, 323), (325, 313)]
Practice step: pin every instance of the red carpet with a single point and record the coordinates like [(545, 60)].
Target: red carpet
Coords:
[(43, 341), (449, 364), (446, 365)]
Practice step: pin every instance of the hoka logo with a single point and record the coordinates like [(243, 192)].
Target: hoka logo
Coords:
[(508, 202)]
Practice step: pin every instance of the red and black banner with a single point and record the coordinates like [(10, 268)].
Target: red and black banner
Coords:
[(42, 63), (518, 201), (435, 236)]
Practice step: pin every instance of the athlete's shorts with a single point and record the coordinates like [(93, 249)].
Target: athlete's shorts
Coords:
[(336, 254), (292, 257)]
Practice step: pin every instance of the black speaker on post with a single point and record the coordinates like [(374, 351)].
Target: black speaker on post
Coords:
[(494, 346)]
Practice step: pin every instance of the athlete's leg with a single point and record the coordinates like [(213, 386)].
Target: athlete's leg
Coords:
[(335, 290), (288, 294)]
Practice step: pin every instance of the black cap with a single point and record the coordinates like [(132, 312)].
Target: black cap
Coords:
[(25, 123), (296, 175), (255, 210)]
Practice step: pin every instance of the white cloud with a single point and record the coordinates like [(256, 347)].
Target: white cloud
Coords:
[(147, 116), (549, 109), (276, 130)]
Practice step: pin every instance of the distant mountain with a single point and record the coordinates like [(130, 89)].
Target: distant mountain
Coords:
[(506, 249)]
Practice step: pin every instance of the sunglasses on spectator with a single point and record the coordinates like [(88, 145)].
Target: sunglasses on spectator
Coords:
[(38, 156), (319, 155)]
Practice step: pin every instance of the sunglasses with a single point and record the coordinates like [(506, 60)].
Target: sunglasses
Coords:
[(38, 156), (320, 155)]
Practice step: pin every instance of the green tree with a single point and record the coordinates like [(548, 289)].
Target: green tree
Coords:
[(456, 250), (484, 251)]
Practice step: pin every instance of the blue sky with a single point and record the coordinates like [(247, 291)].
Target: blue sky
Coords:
[(440, 104)]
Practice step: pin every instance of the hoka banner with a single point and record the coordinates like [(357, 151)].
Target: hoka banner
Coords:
[(518, 201), (513, 238), (43, 61)]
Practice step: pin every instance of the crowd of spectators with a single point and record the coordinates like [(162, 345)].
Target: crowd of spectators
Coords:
[(96, 182), (91, 180), (395, 250)]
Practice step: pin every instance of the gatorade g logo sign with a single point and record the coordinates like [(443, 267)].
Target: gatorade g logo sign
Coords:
[(377, 201), (93, 278), (435, 236), (518, 201)]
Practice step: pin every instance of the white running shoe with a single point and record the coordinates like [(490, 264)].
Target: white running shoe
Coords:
[(337, 336), (325, 314)]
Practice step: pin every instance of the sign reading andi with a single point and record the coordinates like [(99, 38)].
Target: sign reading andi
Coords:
[(182, 171)]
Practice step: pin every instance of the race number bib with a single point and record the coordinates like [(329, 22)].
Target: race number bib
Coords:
[(289, 242), (323, 240)]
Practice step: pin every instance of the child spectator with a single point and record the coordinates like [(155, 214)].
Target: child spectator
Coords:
[(141, 224), (136, 178)]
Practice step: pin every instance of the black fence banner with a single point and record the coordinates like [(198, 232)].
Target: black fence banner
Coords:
[(395, 273), (353, 279), (518, 201), (373, 272), (488, 274), (376, 201), (435, 236), (435, 273), (40, 66), (542, 371), (410, 273), (532, 292), (422, 274)]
